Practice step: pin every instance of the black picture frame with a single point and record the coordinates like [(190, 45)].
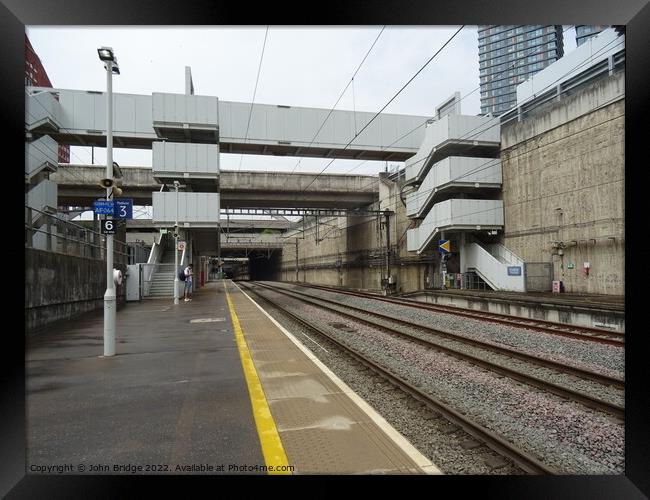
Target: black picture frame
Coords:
[(634, 14)]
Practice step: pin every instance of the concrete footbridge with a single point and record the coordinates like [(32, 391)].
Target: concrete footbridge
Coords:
[(78, 186)]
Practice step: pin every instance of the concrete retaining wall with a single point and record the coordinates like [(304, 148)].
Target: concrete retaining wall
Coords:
[(358, 243), (560, 313), (563, 181), (59, 287)]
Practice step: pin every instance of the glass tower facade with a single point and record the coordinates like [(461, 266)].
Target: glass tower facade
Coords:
[(583, 32), (508, 55)]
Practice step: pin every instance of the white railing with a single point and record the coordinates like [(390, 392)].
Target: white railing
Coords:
[(504, 254), (152, 261), (492, 271)]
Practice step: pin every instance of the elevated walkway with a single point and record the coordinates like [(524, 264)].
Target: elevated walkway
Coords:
[(77, 119)]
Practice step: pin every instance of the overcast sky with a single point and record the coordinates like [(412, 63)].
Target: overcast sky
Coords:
[(302, 66)]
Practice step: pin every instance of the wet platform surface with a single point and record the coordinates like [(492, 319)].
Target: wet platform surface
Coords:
[(174, 394), (177, 397)]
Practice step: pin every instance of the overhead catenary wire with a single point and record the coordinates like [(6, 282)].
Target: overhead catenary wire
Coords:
[(487, 164), (497, 121), (514, 65), (257, 79), (350, 81), (384, 107)]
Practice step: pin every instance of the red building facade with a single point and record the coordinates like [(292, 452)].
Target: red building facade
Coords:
[(36, 76)]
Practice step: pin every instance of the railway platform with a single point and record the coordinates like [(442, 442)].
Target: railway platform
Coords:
[(589, 310), (204, 387)]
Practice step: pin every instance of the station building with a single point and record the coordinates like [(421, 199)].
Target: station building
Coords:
[(525, 201)]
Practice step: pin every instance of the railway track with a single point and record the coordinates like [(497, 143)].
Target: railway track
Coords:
[(499, 444), (550, 327), (564, 392)]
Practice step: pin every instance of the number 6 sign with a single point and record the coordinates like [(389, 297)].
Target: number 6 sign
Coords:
[(108, 226)]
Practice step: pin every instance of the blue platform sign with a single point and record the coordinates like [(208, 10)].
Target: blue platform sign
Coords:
[(123, 208), (514, 270), (103, 207)]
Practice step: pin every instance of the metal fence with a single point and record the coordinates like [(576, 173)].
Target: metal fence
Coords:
[(469, 280), (46, 231), (473, 282)]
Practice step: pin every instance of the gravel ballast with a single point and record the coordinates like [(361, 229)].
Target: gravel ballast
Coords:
[(566, 435)]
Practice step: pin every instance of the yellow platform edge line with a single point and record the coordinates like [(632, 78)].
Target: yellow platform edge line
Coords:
[(272, 449)]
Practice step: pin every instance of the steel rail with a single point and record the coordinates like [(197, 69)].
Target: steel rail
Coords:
[(513, 353), (501, 445), (531, 380), (567, 330)]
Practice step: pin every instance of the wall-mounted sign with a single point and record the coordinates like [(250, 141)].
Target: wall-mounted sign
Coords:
[(514, 270), (570, 265)]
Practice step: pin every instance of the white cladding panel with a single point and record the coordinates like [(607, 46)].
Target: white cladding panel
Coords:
[(594, 50), (475, 128), (464, 169), (40, 153), (194, 208), (476, 212), (42, 196), (453, 169), (41, 106), (453, 128), (413, 201), (181, 108), (455, 212), (83, 111), (299, 125), (185, 157)]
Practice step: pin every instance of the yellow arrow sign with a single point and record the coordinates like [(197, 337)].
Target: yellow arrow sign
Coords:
[(444, 246)]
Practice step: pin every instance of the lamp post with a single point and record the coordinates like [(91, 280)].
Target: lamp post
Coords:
[(176, 280), (107, 56)]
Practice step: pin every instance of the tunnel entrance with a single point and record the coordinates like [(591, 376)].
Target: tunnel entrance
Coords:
[(264, 267), (258, 265)]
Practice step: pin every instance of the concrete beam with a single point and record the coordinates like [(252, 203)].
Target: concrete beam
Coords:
[(78, 185)]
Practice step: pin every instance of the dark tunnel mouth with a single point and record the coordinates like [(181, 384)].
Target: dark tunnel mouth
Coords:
[(261, 266)]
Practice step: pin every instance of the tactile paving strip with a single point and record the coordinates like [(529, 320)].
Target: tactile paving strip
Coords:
[(322, 430)]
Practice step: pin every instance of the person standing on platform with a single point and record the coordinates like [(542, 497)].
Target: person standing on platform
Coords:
[(188, 282)]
